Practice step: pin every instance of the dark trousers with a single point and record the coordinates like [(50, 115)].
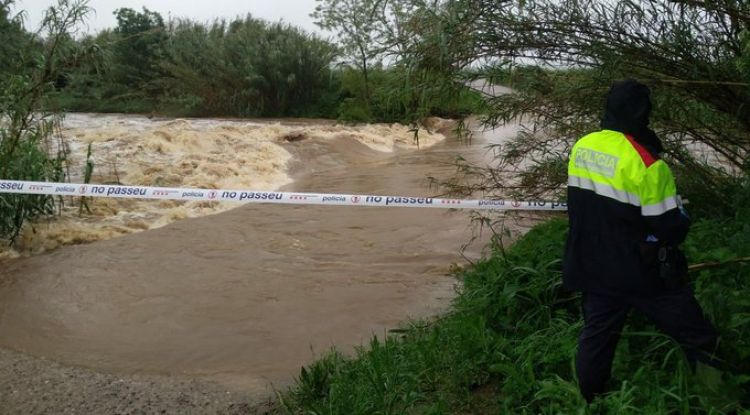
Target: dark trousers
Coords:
[(676, 313)]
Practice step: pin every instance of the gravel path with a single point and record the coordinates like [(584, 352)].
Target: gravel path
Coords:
[(31, 386)]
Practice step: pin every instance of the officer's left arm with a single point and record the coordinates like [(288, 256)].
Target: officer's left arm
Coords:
[(660, 205)]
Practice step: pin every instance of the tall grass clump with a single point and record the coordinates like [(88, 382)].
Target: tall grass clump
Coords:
[(508, 344)]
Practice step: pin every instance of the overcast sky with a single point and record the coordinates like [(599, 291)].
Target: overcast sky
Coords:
[(291, 11)]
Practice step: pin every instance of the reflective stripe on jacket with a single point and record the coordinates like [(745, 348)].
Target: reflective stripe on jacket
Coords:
[(619, 193), (614, 165)]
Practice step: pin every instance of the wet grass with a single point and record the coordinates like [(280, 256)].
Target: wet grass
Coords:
[(508, 344)]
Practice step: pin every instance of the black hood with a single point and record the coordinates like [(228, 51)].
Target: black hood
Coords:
[(627, 111)]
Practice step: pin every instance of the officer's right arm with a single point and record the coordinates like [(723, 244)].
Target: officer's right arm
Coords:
[(660, 206)]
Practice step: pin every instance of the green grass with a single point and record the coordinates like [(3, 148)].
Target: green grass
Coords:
[(508, 344)]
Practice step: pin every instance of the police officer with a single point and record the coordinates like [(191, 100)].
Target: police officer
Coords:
[(625, 223)]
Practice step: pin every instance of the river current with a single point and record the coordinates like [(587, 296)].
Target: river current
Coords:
[(240, 294)]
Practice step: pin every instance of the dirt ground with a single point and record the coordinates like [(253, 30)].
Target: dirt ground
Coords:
[(30, 385)]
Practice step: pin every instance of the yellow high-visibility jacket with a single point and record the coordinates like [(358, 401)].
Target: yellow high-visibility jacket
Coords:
[(620, 196)]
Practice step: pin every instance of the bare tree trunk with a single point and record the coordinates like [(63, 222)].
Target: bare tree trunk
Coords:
[(366, 76)]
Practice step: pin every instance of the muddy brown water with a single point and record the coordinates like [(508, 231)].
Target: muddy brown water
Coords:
[(247, 296)]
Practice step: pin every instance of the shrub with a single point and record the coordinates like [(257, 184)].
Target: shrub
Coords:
[(27, 148)]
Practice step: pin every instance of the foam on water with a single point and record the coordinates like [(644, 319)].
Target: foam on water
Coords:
[(201, 153)]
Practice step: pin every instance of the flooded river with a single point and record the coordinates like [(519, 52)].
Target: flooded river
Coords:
[(246, 294)]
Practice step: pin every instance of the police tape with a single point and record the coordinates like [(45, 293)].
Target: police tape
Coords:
[(257, 196)]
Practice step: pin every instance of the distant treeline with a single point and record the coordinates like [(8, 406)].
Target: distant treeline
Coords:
[(244, 67)]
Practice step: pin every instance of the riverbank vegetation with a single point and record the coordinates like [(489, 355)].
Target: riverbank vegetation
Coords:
[(508, 344), (30, 67), (244, 67), (239, 67), (560, 57)]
